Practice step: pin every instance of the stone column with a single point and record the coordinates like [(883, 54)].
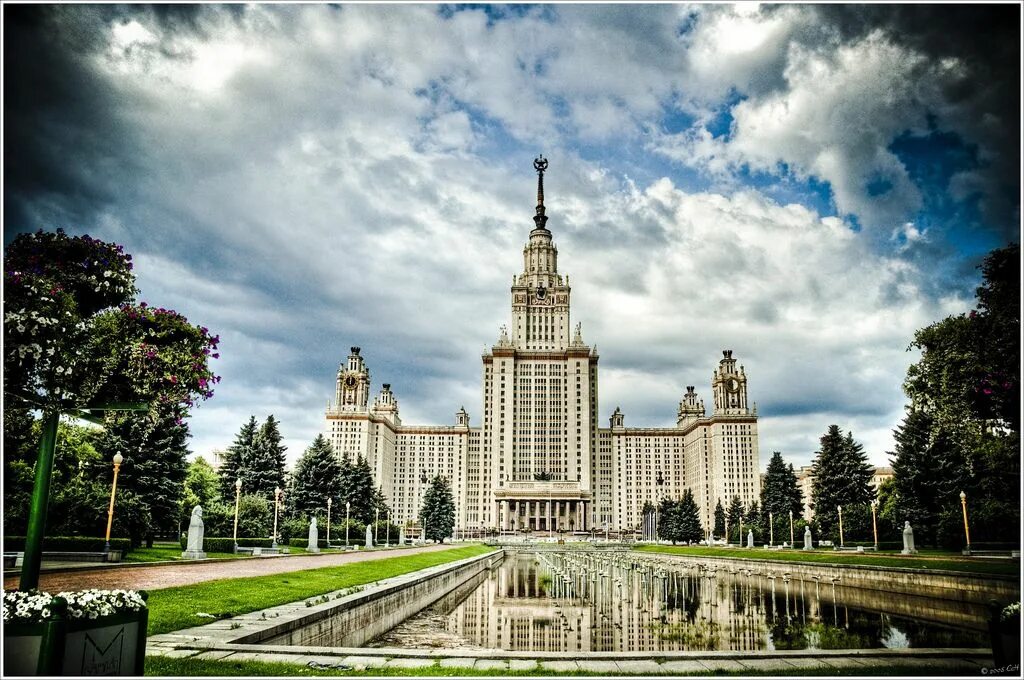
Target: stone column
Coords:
[(557, 524), (547, 515), (504, 516)]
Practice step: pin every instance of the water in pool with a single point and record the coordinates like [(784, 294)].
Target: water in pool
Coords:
[(604, 602)]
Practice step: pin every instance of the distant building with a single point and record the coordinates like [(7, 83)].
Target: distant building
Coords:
[(216, 458), (805, 481)]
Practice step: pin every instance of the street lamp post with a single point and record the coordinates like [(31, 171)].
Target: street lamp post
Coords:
[(423, 508), (741, 531), (660, 480), (376, 526), (842, 544), (967, 529), (387, 530), (277, 504), (328, 522), (792, 542), (771, 529), (238, 493), (348, 506), (874, 520), (110, 511)]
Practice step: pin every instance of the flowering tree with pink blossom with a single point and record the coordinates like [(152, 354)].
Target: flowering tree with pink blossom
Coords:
[(77, 342)]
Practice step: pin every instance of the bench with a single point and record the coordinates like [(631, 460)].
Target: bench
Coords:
[(14, 560), (256, 551)]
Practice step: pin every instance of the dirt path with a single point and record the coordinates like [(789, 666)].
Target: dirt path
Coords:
[(186, 573)]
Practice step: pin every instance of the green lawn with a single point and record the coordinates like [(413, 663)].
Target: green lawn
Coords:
[(940, 561), (165, 666), (176, 608), (162, 553)]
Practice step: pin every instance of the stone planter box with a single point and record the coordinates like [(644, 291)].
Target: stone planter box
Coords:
[(109, 645)]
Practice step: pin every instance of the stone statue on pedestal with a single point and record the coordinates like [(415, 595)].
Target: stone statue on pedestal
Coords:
[(314, 537), (750, 539), (194, 547), (908, 540), (808, 543), (401, 535), (369, 536)]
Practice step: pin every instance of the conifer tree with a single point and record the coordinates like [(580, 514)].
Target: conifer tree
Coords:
[(842, 477), (358, 489), (735, 514), (236, 460), (317, 477), (260, 474), (275, 449), (669, 527), (719, 519), (438, 511), (780, 494), (154, 449), (690, 528)]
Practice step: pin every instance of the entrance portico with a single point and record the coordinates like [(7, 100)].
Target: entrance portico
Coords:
[(543, 506)]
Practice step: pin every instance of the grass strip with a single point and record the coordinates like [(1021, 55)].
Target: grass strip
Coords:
[(162, 554), (176, 608), (186, 667), (967, 565)]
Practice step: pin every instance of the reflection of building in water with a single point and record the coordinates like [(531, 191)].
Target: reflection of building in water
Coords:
[(586, 602)]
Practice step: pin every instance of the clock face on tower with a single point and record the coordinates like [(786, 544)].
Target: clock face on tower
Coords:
[(733, 385), (541, 293), (350, 381)]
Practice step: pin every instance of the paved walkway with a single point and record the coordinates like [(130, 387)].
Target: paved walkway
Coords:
[(151, 577)]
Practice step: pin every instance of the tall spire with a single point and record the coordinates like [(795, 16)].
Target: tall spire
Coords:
[(540, 164)]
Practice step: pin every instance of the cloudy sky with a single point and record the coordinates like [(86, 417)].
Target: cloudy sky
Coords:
[(804, 185)]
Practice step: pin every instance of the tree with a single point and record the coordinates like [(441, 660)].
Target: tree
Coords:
[(967, 384), (438, 511), (925, 473), (236, 458), (275, 450), (201, 488), (255, 516), (154, 451), (780, 494), (260, 474), (359, 489), (842, 477), (734, 515), (317, 477), (690, 529), (669, 524), (719, 519)]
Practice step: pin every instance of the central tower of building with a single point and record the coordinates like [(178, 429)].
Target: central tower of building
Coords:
[(539, 425)]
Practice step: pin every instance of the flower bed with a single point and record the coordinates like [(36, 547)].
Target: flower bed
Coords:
[(89, 632)]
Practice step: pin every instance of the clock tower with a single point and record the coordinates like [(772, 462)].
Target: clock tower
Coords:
[(729, 386), (353, 386)]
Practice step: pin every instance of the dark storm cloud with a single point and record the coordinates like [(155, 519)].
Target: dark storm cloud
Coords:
[(986, 38)]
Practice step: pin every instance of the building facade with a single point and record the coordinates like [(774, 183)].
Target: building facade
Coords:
[(539, 460)]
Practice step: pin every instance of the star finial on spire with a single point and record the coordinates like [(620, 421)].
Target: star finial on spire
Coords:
[(540, 164)]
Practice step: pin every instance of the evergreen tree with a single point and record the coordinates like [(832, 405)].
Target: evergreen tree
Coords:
[(753, 521), (359, 491), (669, 527), (236, 458), (842, 477), (690, 528), (438, 511), (275, 449), (780, 494), (317, 477), (735, 514), (719, 519), (380, 502), (153, 445)]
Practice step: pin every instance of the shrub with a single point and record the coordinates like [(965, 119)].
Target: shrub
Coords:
[(69, 544), (218, 544)]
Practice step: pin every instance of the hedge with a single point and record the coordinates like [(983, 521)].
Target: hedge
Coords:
[(226, 545), (70, 544)]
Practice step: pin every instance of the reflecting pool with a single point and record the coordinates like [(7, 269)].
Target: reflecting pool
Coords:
[(601, 602)]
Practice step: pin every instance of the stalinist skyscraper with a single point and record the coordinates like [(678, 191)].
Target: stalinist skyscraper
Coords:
[(539, 461)]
